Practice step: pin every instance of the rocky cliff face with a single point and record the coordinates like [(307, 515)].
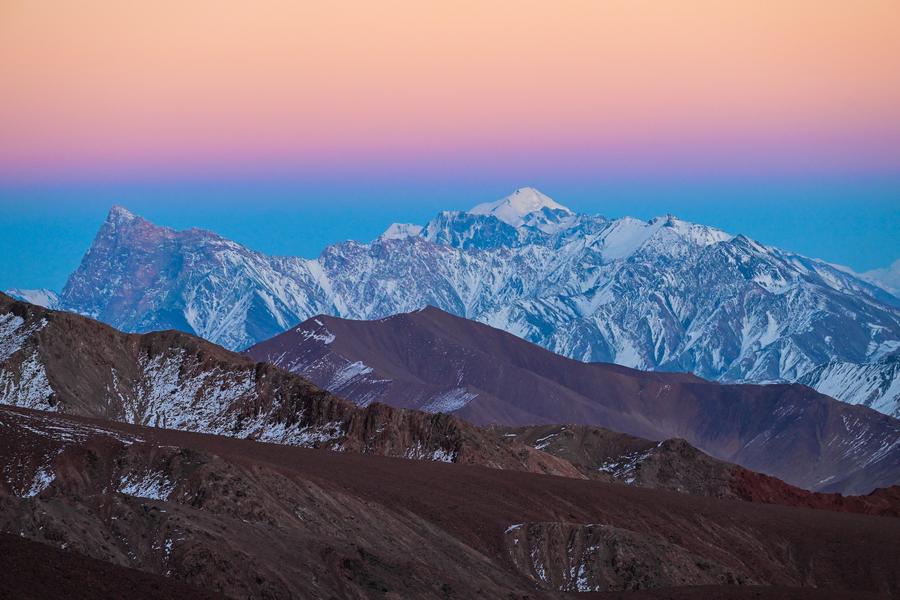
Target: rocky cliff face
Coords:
[(662, 295)]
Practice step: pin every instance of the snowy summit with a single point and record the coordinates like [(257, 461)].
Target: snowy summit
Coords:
[(400, 231), (516, 206)]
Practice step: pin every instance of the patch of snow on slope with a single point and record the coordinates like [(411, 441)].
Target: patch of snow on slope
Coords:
[(43, 477), (399, 231), (541, 443), (420, 452), (449, 401), (170, 395), (28, 388), (876, 385), (323, 335), (441, 455), (44, 298), (512, 528), (68, 433), (625, 467), (860, 439), (347, 373), (155, 486), (295, 435), (13, 336), (626, 236)]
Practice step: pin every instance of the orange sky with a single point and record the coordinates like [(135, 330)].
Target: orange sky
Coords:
[(163, 87)]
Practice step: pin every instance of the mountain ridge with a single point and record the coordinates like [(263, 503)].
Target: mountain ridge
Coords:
[(661, 295), (61, 362), (434, 361), (66, 363)]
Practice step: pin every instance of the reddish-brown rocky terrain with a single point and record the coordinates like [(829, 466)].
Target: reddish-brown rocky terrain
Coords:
[(439, 362), (249, 519), (733, 593), (63, 362), (34, 571), (676, 465), (67, 363)]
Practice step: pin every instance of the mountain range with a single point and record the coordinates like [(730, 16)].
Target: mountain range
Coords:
[(66, 363), (663, 294), (178, 464), (62, 362), (434, 361)]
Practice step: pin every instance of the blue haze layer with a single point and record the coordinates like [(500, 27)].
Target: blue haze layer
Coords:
[(44, 230)]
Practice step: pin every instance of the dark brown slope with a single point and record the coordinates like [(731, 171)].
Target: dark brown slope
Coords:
[(64, 362), (676, 465), (742, 593), (436, 361), (33, 571), (179, 381), (264, 520)]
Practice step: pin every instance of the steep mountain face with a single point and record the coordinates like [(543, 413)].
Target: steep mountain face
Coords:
[(62, 362), (676, 465), (434, 361), (254, 520), (875, 384), (663, 295), (887, 279)]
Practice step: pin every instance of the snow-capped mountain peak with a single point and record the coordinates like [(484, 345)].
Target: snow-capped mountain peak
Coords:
[(516, 206), (401, 231)]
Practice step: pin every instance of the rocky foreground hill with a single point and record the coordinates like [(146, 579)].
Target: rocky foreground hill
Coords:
[(256, 520), (62, 362), (676, 465)]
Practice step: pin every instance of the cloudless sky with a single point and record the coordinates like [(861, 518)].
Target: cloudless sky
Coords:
[(96, 88), (288, 125), (44, 231)]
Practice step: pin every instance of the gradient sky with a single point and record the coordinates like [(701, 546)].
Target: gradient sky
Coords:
[(45, 230), (288, 125), (104, 89)]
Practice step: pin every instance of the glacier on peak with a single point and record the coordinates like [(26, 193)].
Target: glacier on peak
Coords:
[(514, 208), (517, 218)]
